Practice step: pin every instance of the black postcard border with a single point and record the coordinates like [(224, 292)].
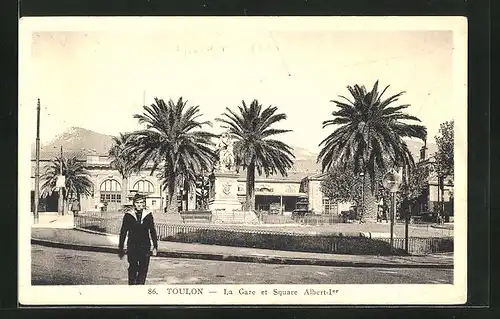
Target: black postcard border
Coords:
[(478, 14)]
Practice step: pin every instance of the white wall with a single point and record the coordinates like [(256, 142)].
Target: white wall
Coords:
[(315, 196)]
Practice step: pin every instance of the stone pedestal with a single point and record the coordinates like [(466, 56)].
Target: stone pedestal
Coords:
[(225, 197)]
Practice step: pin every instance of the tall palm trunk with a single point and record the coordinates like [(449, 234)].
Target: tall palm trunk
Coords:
[(250, 195), (172, 197), (172, 208), (369, 202), (60, 201), (185, 196), (124, 190)]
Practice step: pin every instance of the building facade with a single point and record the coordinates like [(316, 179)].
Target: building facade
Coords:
[(273, 194)]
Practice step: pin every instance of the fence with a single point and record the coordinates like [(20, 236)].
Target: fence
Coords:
[(304, 220), (318, 219), (197, 216), (206, 217), (109, 225), (241, 236), (265, 218)]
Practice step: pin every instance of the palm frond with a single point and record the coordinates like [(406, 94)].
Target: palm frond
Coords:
[(369, 132)]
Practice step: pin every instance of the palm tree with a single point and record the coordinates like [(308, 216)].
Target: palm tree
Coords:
[(172, 142), (121, 162), (371, 134), (253, 148), (78, 182)]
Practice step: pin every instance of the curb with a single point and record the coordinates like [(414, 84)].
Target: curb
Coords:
[(442, 227), (243, 258), (93, 231)]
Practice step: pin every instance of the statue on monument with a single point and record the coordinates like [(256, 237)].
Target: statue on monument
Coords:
[(226, 155)]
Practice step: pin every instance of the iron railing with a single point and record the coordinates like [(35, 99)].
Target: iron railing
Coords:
[(317, 219), (337, 243)]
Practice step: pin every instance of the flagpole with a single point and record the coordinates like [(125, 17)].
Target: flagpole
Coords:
[(37, 165)]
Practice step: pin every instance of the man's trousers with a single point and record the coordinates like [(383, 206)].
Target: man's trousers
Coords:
[(138, 260)]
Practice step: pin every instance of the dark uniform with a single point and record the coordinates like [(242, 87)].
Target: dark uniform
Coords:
[(138, 226)]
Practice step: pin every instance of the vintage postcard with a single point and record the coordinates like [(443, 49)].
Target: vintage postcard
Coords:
[(242, 160)]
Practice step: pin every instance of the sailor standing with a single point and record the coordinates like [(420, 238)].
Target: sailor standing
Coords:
[(138, 224)]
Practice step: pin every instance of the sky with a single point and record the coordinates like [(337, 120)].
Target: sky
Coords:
[(98, 79)]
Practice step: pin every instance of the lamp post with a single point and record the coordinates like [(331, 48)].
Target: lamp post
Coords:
[(391, 181), (406, 204), (37, 167)]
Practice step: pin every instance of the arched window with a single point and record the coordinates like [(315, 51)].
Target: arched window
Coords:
[(110, 191), (144, 187)]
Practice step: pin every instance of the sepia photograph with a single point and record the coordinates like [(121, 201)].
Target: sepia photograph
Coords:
[(203, 161)]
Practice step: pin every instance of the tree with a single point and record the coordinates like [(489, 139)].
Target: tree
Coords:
[(78, 182), (415, 182), (254, 149), (370, 133), (173, 143), (444, 157), (121, 162), (342, 185), (445, 150)]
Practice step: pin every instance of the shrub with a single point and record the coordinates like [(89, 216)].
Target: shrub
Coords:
[(304, 243)]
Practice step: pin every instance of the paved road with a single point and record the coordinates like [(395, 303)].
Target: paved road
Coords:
[(54, 266)]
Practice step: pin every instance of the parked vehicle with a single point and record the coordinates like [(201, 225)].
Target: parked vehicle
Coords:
[(429, 217), (348, 215)]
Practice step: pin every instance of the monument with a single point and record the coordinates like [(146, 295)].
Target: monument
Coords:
[(223, 201)]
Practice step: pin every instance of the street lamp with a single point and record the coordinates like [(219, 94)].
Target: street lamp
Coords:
[(362, 175), (37, 167), (391, 181)]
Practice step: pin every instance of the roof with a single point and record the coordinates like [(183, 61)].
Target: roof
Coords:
[(291, 176), (51, 153), (317, 176)]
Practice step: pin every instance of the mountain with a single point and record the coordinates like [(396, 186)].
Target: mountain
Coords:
[(302, 154), (75, 140)]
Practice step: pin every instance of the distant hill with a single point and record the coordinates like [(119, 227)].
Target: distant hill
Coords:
[(80, 141), (75, 140), (305, 161)]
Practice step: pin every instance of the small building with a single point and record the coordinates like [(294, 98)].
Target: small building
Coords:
[(275, 194), (319, 204), (434, 193)]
